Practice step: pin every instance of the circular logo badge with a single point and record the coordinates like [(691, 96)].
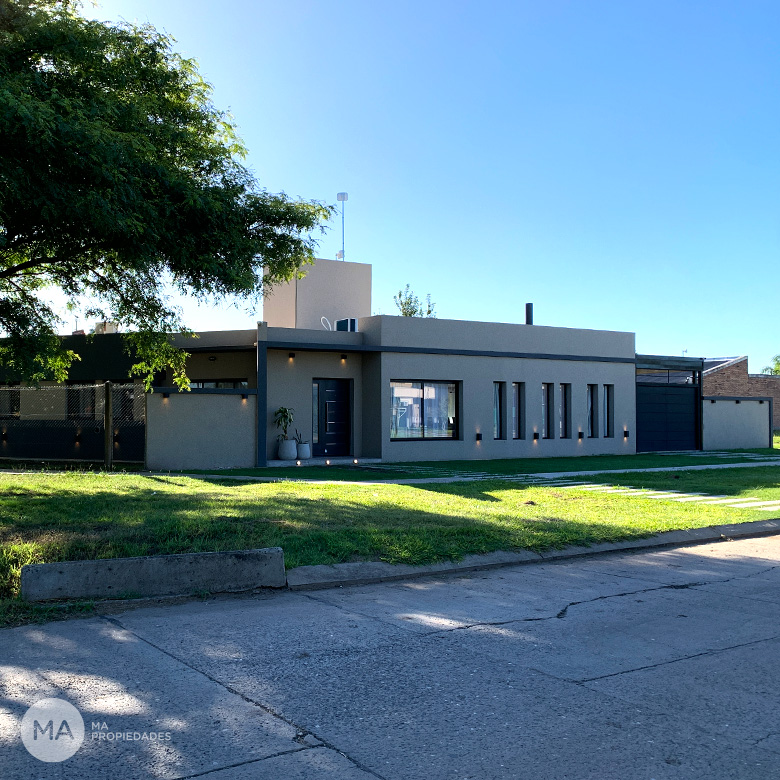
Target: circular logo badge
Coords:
[(52, 730)]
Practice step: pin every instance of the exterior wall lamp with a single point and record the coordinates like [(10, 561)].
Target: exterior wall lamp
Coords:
[(343, 357), (479, 437), (292, 355), (625, 434)]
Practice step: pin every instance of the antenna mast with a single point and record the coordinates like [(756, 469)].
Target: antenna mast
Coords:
[(341, 197)]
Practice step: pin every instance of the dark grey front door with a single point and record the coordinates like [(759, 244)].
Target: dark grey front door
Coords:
[(332, 423)]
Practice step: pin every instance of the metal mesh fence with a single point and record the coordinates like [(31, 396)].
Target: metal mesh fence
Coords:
[(67, 422), (70, 406)]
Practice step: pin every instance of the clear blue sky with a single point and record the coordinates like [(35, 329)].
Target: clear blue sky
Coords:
[(616, 163)]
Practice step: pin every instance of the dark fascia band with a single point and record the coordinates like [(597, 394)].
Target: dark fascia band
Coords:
[(310, 347)]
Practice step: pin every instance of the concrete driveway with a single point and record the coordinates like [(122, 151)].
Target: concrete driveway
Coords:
[(648, 665)]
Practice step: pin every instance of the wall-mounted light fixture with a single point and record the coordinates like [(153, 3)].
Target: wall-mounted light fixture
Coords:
[(292, 355), (78, 437), (327, 463), (738, 401), (343, 358), (536, 436), (625, 434), (166, 396), (712, 400), (479, 437), (581, 435), (355, 461), (244, 396), (212, 358)]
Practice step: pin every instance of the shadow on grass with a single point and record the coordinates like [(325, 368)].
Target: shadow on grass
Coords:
[(312, 529)]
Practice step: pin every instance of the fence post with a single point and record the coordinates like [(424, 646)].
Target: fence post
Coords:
[(108, 427)]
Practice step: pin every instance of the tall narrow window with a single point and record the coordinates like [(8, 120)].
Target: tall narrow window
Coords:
[(518, 410), (315, 413), (498, 410), (565, 410), (609, 411), (548, 410), (593, 411)]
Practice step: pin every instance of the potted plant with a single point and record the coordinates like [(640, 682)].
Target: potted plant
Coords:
[(304, 448), (288, 448)]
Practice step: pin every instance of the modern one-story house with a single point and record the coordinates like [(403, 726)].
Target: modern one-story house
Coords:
[(413, 389)]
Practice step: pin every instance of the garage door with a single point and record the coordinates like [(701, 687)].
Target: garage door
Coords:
[(667, 418)]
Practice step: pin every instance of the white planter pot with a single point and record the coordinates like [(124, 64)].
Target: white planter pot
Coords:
[(304, 451), (288, 449)]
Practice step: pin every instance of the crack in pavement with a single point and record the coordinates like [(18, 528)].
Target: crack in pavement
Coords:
[(244, 763), (300, 731), (561, 614), (763, 739), (712, 651)]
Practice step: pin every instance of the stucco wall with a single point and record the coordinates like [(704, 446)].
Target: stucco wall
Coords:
[(200, 431), (728, 425), (290, 384), (494, 336), (226, 365), (476, 376), (330, 288)]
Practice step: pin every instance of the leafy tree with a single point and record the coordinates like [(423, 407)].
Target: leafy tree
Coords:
[(410, 306), (118, 177), (774, 368)]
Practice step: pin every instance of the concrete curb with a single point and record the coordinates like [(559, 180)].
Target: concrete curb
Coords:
[(341, 574), (155, 575)]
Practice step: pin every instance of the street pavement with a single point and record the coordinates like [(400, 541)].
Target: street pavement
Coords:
[(651, 665)]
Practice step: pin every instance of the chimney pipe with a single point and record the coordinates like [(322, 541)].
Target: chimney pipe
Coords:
[(529, 314)]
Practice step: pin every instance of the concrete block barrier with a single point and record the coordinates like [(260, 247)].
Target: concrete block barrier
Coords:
[(155, 575)]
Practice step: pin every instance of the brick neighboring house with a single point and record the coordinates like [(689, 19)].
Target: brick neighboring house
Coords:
[(729, 376)]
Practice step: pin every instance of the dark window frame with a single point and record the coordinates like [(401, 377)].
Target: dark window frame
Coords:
[(499, 411), (592, 400), (565, 410), (518, 410), (548, 410), (235, 384), (609, 411), (456, 423)]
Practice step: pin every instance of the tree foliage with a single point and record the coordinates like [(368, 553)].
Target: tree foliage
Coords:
[(118, 177), (409, 305), (774, 368)]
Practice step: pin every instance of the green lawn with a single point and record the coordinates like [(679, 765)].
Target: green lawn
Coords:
[(369, 472), (71, 515)]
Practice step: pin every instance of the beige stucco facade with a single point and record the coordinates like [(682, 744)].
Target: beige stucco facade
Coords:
[(193, 431), (330, 288), (728, 423), (472, 355)]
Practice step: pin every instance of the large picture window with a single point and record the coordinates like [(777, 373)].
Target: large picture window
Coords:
[(423, 410)]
